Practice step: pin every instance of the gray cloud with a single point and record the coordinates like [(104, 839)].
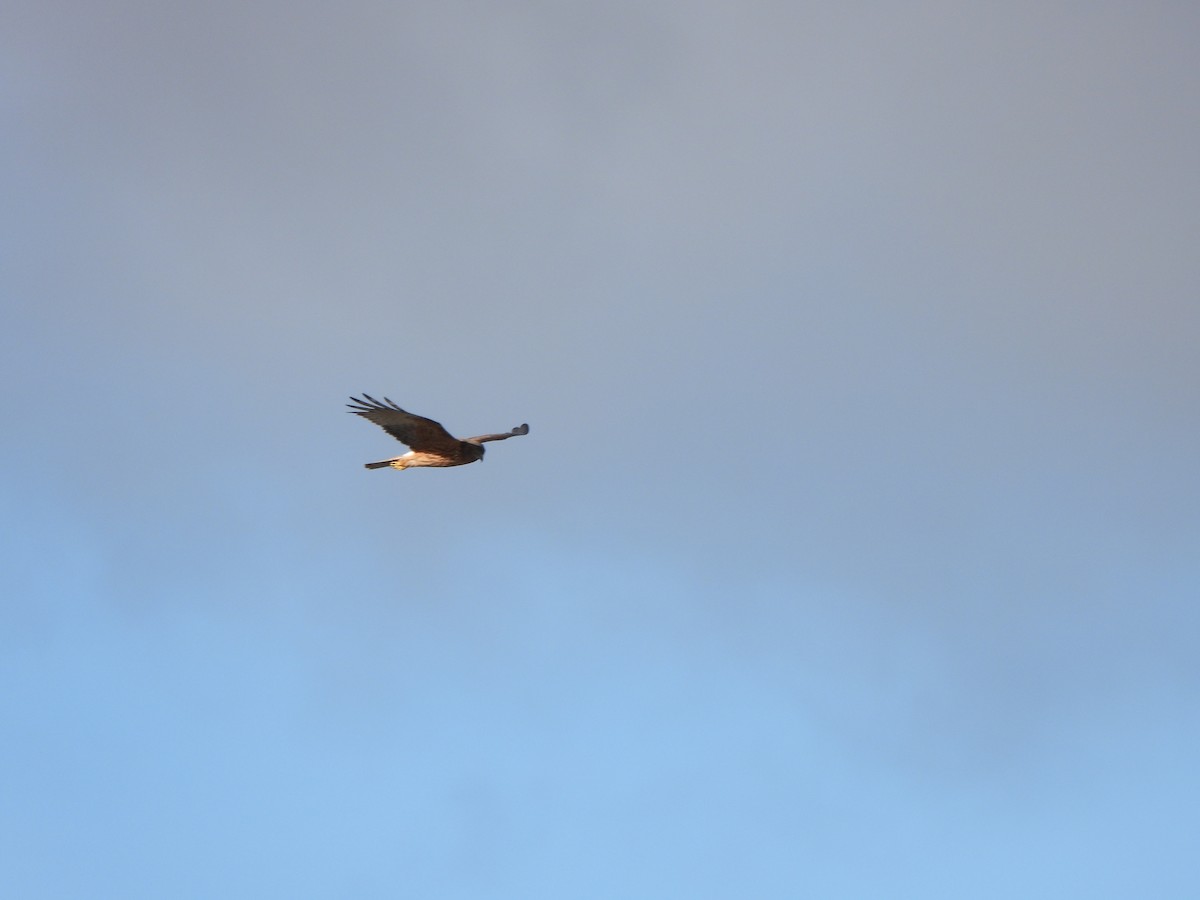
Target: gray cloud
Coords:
[(858, 348)]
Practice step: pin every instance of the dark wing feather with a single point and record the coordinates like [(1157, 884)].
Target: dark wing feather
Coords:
[(417, 432), (519, 430)]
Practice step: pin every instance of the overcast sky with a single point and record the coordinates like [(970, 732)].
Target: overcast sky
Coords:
[(854, 550)]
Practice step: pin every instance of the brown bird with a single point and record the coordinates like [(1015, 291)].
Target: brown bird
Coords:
[(430, 443)]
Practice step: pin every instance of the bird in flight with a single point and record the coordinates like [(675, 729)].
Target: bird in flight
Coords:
[(430, 444)]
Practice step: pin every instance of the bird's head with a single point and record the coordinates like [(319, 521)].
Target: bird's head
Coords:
[(475, 451)]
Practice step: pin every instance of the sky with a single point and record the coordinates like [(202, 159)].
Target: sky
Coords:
[(854, 550)]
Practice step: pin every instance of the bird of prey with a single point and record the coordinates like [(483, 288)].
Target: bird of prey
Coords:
[(430, 444)]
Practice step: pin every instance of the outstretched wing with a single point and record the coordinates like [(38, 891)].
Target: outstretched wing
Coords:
[(418, 432), (519, 430)]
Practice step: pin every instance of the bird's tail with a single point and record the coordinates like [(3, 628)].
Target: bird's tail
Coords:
[(382, 464)]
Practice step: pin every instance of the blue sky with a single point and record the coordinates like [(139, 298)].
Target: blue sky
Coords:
[(855, 548)]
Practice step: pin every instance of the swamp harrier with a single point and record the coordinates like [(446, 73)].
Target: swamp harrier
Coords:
[(430, 443)]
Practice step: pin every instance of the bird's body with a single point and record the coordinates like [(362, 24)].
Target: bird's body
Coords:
[(431, 445), (412, 460)]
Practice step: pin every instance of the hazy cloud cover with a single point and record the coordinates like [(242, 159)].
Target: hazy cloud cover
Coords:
[(854, 550)]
